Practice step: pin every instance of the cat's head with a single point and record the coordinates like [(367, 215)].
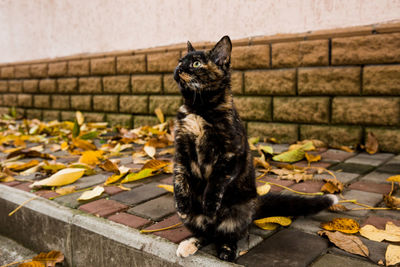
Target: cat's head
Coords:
[(201, 71)]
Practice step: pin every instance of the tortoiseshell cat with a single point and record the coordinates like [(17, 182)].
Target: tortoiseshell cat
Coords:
[(214, 179)]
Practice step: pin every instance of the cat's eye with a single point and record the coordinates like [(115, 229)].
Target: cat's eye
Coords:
[(196, 64)]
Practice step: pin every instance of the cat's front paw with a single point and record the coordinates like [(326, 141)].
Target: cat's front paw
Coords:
[(187, 247)]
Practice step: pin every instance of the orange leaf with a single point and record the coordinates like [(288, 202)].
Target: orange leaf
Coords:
[(312, 158), (332, 186), (22, 167), (371, 145), (344, 225), (83, 144), (91, 157), (109, 166)]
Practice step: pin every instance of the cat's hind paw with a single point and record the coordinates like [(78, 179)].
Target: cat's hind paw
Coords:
[(187, 247)]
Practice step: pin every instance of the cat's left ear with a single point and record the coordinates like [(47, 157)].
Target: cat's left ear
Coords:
[(190, 47), (221, 53)]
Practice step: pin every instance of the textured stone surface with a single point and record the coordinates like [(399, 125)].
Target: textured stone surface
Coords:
[(308, 186), (105, 102), (332, 260), (367, 159), (336, 155), (78, 67), (22, 71), (139, 194), (7, 72), (237, 82), (4, 86), (170, 86), (168, 104), (9, 99), (250, 57), (352, 168), (116, 84), (47, 85), (304, 53), (254, 108), (371, 187), (41, 101), (29, 86), (381, 80), (133, 104), (176, 234), (329, 81), (15, 86), (162, 62), (285, 248), (39, 70), (377, 177), (344, 177), (270, 82), (363, 110), (119, 120), (155, 209), (144, 120), (380, 48), (301, 109), (103, 207), (68, 115), (368, 198), (60, 101), (57, 69), (387, 138), (24, 100), (67, 85), (286, 133), (146, 84), (90, 85), (131, 64), (102, 66), (81, 102), (332, 135), (128, 220), (379, 222)]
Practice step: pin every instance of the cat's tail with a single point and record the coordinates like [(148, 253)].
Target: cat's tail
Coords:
[(273, 204)]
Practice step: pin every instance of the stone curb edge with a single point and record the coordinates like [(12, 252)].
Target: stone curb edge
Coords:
[(154, 245)]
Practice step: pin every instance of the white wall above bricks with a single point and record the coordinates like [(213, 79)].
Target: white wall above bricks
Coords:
[(48, 28)]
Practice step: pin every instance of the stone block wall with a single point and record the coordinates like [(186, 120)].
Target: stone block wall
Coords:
[(332, 85)]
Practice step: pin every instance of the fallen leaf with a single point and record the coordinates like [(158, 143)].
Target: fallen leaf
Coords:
[(63, 177), (338, 207), (254, 140), (83, 144), (32, 264), (79, 118), (88, 170), (305, 146), (345, 225), (95, 192), (27, 153), (371, 145), (45, 259), (53, 168), (91, 157), (332, 186), (391, 201), (24, 166), (349, 243), (346, 149), (159, 114), (391, 232), (167, 187), (124, 188), (395, 178), (267, 149), (144, 173), (170, 151), (65, 190), (89, 135), (109, 166), (271, 223), (169, 168), (290, 156), (392, 255), (263, 189), (4, 178), (312, 158), (32, 170), (155, 164), (64, 146), (76, 130)]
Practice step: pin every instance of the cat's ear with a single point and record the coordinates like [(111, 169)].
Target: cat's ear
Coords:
[(221, 53), (190, 47)]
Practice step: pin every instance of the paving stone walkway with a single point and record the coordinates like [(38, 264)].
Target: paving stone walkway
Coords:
[(149, 207)]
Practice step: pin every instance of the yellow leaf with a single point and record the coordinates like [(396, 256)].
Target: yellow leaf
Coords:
[(150, 151), (391, 201), (345, 225), (305, 146), (79, 118), (64, 146), (290, 156), (63, 177), (267, 149), (395, 178), (53, 168), (144, 173), (91, 157), (124, 188), (66, 190), (50, 258), (263, 189), (24, 166), (392, 255), (371, 145), (349, 243), (159, 115), (155, 164), (32, 264), (31, 170), (83, 144), (167, 187), (346, 148), (391, 232), (6, 178), (88, 169), (312, 158), (170, 151), (260, 162), (113, 178), (109, 166), (271, 223), (95, 192)]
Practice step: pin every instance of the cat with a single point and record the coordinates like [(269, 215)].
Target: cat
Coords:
[(214, 178)]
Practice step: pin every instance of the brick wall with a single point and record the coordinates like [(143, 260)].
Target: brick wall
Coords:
[(332, 85)]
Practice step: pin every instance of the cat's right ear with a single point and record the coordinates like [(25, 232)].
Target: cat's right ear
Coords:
[(190, 48)]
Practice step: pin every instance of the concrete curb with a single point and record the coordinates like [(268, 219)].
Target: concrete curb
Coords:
[(152, 245)]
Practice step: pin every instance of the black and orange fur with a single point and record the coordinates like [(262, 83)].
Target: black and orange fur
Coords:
[(214, 178)]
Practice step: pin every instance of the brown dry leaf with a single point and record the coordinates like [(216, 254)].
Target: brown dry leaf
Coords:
[(109, 166), (312, 158), (332, 186), (169, 168), (27, 153), (391, 232), (32, 264), (45, 259), (170, 151), (6, 178), (338, 207), (371, 145), (395, 178), (260, 162), (83, 144), (159, 114), (349, 243), (24, 166), (345, 225), (66, 190), (155, 164), (391, 201), (91, 157), (392, 255)]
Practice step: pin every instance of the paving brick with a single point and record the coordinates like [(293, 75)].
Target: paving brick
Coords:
[(78, 67), (103, 207), (344, 177), (155, 209), (393, 167), (7, 72), (170, 85), (15, 86), (286, 248), (67, 85), (329, 81), (81, 102), (116, 84), (270, 82), (71, 200), (47, 85), (168, 180), (243, 245), (168, 104), (58, 69), (308, 186), (381, 80), (307, 225), (303, 53), (38, 70), (112, 190), (41, 101), (378, 48), (102, 66), (139, 194), (105, 103), (162, 62), (133, 104), (131, 64), (88, 181), (46, 193), (286, 133), (368, 198), (12, 183), (319, 164), (146, 84), (60, 101), (379, 222), (387, 138), (119, 120), (254, 108), (377, 177), (22, 71), (237, 82), (50, 115), (301, 109), (352, 168), (24, 187), (371, 187), (90, 85), (30, 86), (129, 220), (367, 159), (34, 114), (332, 260), (273, 179), (336, 155), (250, 57), (175, 235)]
